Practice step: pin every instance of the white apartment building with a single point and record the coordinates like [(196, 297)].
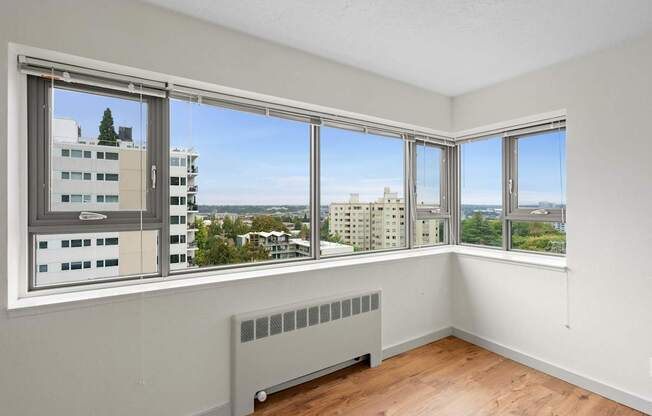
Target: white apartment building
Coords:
[(86, 176), (280, 245), (377, 225)]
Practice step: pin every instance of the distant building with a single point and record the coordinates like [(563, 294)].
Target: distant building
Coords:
[(377, 225), (281, 245), (87, 176)]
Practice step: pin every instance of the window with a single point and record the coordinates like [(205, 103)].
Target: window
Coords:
[(252, 204), (273, 179), (43, 268), (83, 124), (432, 208), (362, 176), (481, 210), (536, 188), (111, 263)]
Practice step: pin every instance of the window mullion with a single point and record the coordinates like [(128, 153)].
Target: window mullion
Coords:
[(315, 208)]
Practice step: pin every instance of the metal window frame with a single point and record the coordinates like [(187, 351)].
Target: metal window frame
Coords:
[(42, 221), (514, 212), (446, 212), (509, 192)]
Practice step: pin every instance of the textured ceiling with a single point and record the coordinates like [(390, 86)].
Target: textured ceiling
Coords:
[(447, 46)]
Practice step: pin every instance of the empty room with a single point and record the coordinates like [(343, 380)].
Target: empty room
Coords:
[(325, 207)]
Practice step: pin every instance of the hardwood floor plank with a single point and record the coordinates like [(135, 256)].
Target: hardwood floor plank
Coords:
[(447, 377)]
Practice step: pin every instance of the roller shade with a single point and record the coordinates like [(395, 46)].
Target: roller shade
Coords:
[(92, 77), (300, 114), (519, 130)]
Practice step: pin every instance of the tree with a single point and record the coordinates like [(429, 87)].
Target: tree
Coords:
[(108, 136), (479, 230), (267, 223)]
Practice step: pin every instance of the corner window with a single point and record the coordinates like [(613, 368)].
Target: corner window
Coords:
[(536, 190), (481, 211), (432, 207)]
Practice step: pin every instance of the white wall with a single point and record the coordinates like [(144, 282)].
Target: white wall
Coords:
[(88, 359), (608, 97)]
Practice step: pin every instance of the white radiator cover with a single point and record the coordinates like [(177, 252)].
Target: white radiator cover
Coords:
[(277, 345)]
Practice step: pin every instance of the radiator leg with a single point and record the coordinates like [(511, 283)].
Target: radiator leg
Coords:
[(375, 358)]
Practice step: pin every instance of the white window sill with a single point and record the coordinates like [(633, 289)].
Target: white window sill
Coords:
[(556, 263), (218, 278), (222, 278)]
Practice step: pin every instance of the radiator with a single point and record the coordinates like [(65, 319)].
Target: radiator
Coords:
[(275, 346)]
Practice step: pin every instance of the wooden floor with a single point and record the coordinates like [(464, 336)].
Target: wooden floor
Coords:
[(447, 377)]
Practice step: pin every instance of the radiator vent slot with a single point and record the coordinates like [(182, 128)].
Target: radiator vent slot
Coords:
[(302, 318), (262, 327), (275, 324), (288, 321), (355, 303), (247, 331), (313, 315), (335, 310), (346, 308), (266, 326)]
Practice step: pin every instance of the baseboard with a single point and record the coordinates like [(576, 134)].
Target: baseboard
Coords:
[(221, 410), (417, 342), (225, 409), (612, 393)]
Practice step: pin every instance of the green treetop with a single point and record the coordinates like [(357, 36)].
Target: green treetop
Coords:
[(108, 136)]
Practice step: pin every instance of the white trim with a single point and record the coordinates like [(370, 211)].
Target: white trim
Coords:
[(220, 278), (500, 127), (610, 392), (543, 261), (231, 276)]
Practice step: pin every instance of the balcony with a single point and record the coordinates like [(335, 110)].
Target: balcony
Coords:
[(193, 170), (192, 189), (192, 207)]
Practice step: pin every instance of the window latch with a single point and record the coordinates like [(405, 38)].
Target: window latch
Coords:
[(540, 211), (511, 186), (153, 176), (91, 216)]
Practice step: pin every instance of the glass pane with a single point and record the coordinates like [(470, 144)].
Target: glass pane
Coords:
[(84, 257), (429, 232), (542, 170), (428, 176), (539, 236), (98, 153), (239, 187), (362, 195), (481, 192)]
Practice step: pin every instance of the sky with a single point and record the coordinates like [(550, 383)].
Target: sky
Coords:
[(540, 175), (251, 159)]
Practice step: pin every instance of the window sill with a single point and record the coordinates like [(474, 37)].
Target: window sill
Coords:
[(541, 261), (220, 278)]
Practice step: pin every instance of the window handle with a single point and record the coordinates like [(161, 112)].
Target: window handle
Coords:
[(153, 176), (511, 186), (540, 211), (91, 216)]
